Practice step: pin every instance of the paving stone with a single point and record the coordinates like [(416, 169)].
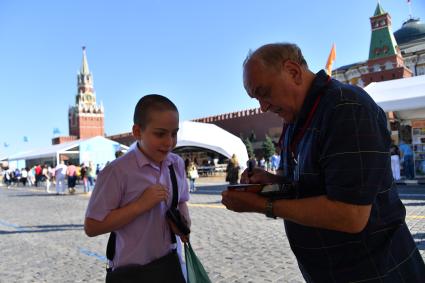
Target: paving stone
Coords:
[(42, 240)]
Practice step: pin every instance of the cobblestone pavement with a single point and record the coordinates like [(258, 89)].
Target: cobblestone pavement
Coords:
[(42, 240)]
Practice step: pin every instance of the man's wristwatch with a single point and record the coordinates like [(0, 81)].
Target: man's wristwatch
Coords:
[(269, 209)]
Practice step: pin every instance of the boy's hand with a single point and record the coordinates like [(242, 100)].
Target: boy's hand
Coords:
[(152, 196), (173, 227)]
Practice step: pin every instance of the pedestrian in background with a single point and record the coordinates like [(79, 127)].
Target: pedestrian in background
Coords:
[(395, 161), (91, 176), (46, 177), (38, 174), (60, 174), (31, 176), (232, 170), (407, 157), (71, 172), (192, 173), (24, 176), (275, 161), (83, 173)]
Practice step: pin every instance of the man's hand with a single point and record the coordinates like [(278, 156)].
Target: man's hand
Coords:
[(243, 201), (259, 176), (151, 197)]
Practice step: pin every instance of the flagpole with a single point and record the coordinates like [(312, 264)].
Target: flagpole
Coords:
[(410, 8)]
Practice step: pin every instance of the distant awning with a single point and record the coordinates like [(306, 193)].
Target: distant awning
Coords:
[(212, 137), (53, 150), (405, 96)]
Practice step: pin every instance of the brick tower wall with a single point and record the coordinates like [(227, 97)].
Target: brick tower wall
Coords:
[(90, 125), (243, 123)]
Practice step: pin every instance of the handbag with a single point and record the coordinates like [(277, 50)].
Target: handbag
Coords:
[(162, 270), (195, 270)]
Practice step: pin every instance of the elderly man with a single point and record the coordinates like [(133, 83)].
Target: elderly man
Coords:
[(342, 214)]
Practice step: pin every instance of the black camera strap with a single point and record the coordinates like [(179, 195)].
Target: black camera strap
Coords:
[(110, 247)]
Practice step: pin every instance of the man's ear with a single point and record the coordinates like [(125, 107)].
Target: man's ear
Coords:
[(294, 71), (137, 132)]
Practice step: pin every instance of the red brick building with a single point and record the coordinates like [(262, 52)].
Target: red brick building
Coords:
[(246, 122), (86, 117)]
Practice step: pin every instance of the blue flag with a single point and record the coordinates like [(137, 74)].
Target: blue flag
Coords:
[(25, 139), (56, 131), (6, 144)]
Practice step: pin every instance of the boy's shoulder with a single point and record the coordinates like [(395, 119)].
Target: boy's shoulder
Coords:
[(122, 163), (175, 159)]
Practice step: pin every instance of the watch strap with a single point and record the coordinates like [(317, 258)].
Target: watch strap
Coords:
[(269, 209)]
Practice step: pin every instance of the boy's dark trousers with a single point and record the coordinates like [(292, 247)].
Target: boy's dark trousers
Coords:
[(163, 270)]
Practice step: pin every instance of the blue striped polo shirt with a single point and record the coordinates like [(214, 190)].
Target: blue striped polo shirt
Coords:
[(344, 154)]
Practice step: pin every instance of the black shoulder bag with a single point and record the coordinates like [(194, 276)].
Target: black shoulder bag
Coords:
[(162, 270)]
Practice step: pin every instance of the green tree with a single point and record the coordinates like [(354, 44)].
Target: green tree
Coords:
[(268, 147), (249, 147)]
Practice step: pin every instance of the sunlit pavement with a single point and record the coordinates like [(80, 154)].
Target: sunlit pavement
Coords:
[(42, 238)]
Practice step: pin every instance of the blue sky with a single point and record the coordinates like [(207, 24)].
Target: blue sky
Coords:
[(190, 51)]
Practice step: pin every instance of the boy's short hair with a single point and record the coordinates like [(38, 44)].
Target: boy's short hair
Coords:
[(149, 103)]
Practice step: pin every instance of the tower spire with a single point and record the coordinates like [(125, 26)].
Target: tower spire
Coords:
[(385, 60), (84, 65), (86, 116)]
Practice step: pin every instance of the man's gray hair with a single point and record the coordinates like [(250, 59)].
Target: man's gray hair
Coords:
[(272, 55)]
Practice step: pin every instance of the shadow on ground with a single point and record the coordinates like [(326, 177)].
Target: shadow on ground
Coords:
[(43, 229)]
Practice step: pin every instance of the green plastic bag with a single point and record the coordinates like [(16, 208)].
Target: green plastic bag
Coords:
[(195, 271)]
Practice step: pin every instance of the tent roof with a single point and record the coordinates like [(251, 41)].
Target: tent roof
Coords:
[(212, 137), (400, 94), (52, 150)]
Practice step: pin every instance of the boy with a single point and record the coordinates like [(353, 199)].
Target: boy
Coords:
[(134, 192)]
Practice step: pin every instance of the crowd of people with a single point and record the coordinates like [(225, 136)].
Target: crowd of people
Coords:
[(59, 177)]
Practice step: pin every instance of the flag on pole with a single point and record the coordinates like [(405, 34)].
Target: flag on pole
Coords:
[(56, 131), (5, 144), (331, 59), (25, 139)]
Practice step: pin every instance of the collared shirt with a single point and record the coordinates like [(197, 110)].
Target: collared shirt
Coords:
[(344, 154), (123, 181), (406, 149)]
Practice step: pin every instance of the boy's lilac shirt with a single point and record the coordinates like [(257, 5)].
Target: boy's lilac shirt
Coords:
[(147, 237)]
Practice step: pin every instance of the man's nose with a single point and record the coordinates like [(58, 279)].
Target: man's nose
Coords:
[(264, 105)]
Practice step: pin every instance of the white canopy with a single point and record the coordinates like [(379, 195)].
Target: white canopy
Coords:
[(91, 145), (405, 96), (212, 137), (44, 152)]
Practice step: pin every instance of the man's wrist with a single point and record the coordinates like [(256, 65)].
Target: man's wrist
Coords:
[(269, 209)]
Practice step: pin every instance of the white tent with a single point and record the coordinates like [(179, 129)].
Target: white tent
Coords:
[(404, 96), (212, 137), (100, 150)]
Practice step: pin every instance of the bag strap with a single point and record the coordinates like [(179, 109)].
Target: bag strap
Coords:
[(110, 247), (174, 203), (175, 200)]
